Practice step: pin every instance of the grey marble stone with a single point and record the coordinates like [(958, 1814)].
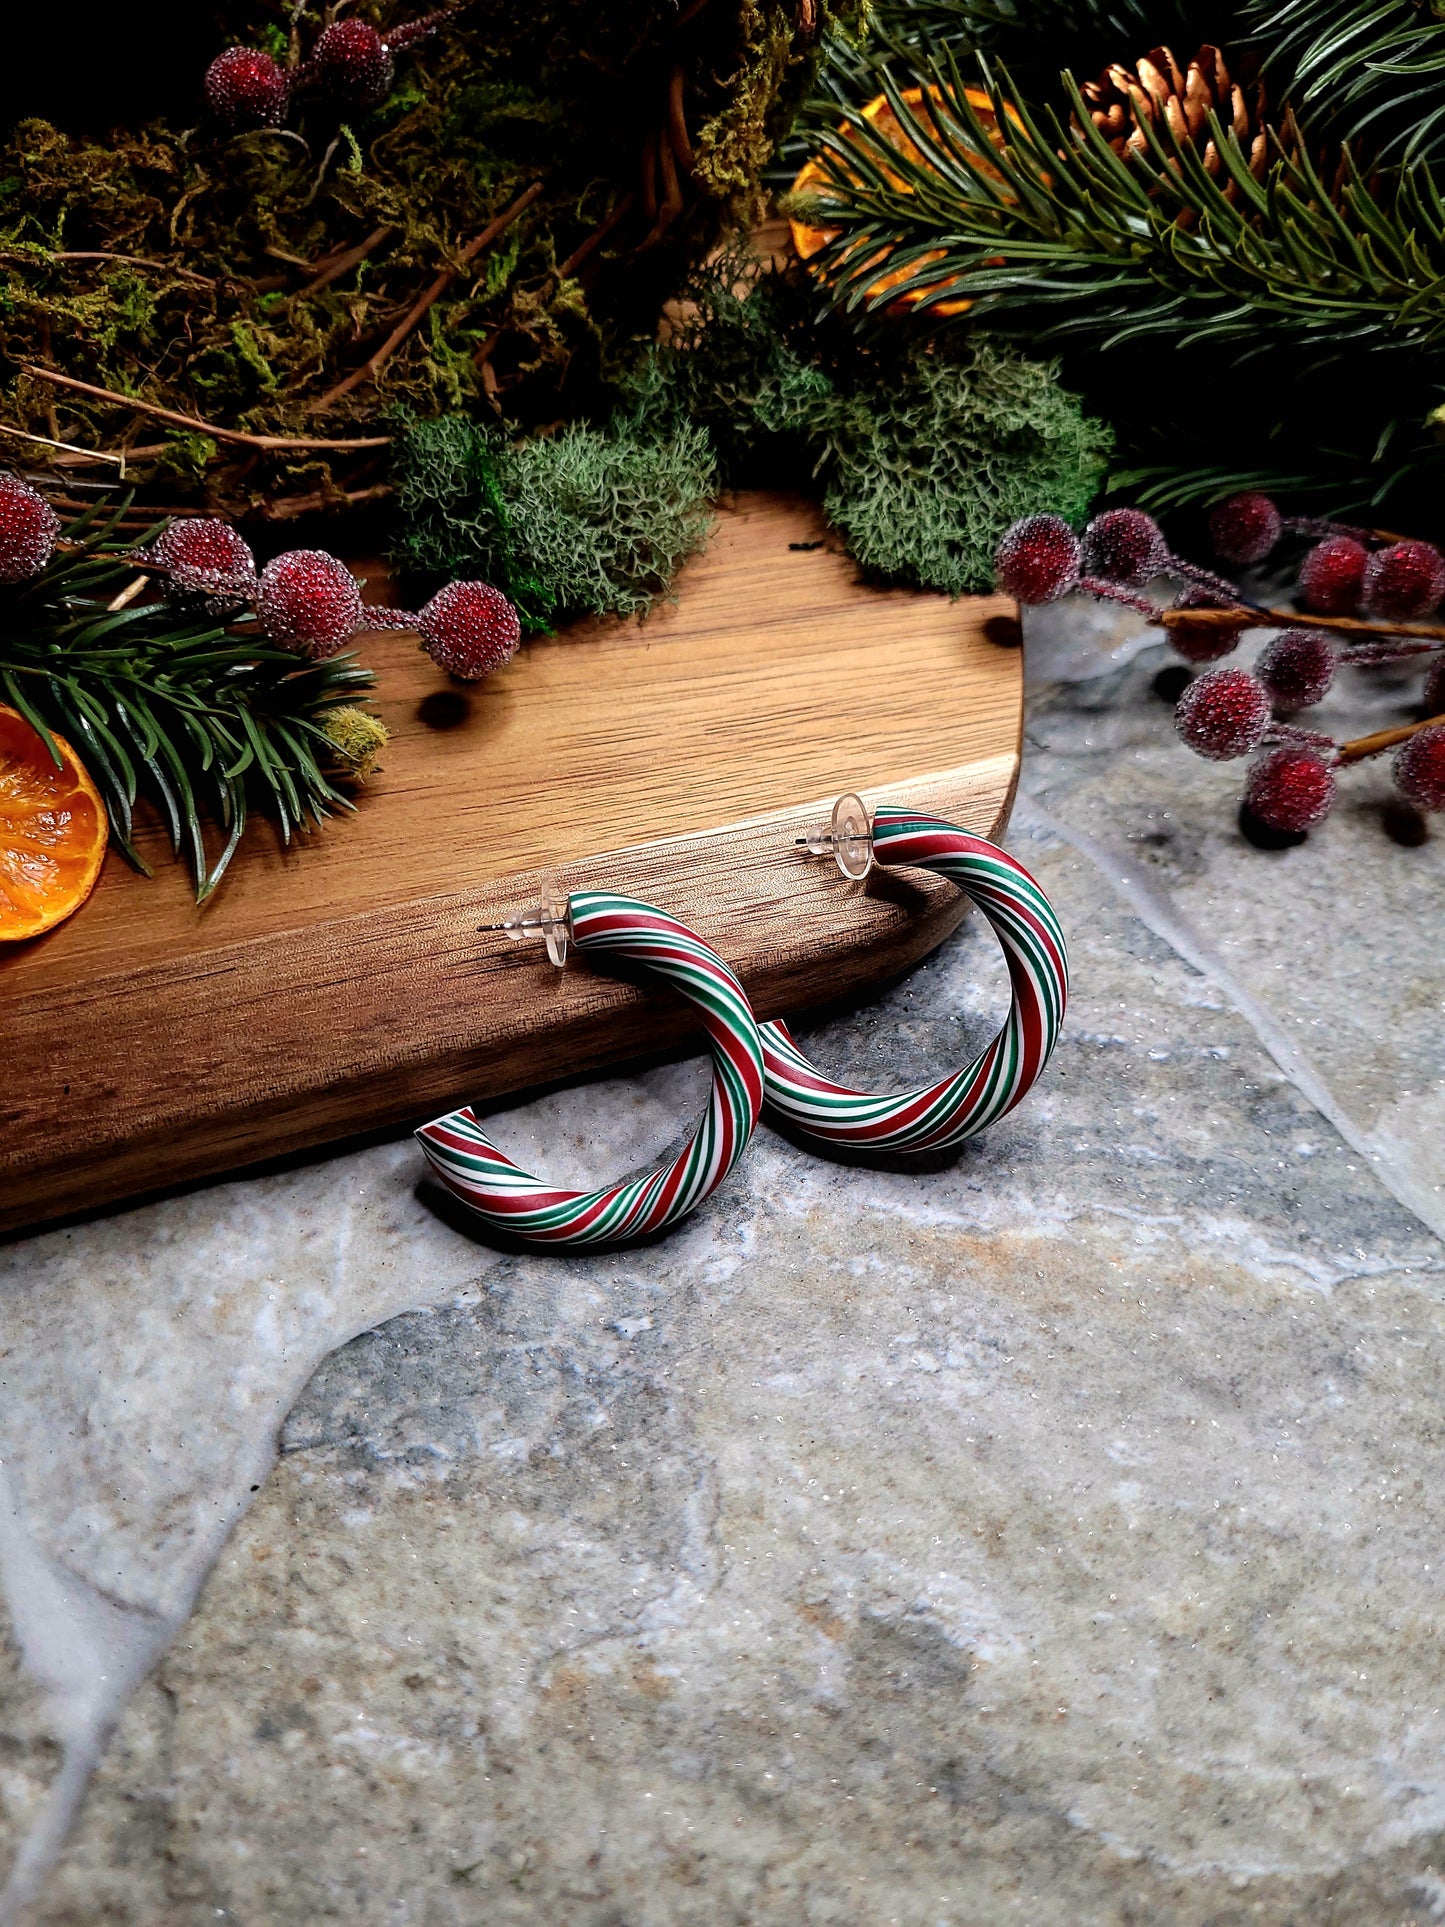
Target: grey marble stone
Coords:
[(1048, 1536), (30, 1752)]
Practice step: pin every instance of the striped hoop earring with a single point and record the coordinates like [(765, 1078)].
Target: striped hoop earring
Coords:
[(934, 1116), (511, 1199)]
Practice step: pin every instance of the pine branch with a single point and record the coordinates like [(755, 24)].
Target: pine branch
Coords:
[(205, 721), (1372, 71), (1054, 232)]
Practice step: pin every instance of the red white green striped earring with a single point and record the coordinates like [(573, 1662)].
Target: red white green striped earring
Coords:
[(935, 1116), (511, 1199)]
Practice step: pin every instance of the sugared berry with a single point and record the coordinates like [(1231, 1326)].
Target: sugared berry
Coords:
[(1291, 789), (1223, 714), (1038, 560), (469, 629), (247, 88), (1204, 641), (1124, 546), (1419, 768), (1405, 581), (1297, 668), (309, 602), (1245, 528), (1332, 576), (202, 556), (352, 63), (29, 528)]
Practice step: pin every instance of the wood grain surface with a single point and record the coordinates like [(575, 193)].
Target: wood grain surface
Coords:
[(342, 985)]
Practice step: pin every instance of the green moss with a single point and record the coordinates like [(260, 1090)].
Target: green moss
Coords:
[(356, 736), (923, 454), (583, 522), (565, 96), (925, 448)]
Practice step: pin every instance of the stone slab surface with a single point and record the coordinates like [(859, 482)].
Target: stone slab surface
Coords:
[(1053, 1536)]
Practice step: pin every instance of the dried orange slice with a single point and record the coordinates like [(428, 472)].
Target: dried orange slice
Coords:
[(52, 830), (814, 179)]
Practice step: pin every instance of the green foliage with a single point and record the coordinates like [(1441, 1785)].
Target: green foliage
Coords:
[(1059, 233), (926, 473), (1371, 70), (583, 522), (217, 314), (923, 456), (925, 451), (172, 705), (1287, 332)]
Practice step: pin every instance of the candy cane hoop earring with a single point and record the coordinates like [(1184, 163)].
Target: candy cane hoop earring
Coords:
[(935, 1116), (511, 1199)]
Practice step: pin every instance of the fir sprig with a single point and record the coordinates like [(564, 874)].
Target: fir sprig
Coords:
[(1053, 230), (180, 707), (1375, 69)]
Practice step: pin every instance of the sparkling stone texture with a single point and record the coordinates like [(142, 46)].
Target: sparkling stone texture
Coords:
[(1049, 1536)]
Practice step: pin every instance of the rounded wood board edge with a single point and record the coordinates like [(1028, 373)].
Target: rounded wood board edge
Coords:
[(485, 1018)]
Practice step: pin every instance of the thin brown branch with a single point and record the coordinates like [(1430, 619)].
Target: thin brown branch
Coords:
[(287, 507), (428, 299), (1362, 746), (677, 119), (595, 239), (343, 263), (129, 593), (199, 427), (64, 448), (1294, 619), (103, 254)]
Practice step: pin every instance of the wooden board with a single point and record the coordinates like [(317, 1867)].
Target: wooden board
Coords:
[(342, 985)]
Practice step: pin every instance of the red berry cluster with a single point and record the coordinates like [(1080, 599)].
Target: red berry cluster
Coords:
[(1396, 582), (1350, 569), (309, 602), (352, 66)]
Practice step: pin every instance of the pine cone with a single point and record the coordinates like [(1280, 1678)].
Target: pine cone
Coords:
[(1122, 100)]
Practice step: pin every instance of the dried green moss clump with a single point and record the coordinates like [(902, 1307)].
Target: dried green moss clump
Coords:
[(557, 163), (923, 454), (584, 522), (925, 447)]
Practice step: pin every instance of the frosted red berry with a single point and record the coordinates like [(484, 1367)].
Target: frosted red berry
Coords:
[(1332, 576), (247, 88), (1124, 546), (309, 602), (202, 556), (1245, 528), (1038, 560), (1205, 641), (1297, 668), (1223, 714), (1419, 769), (1405, 581), (469, 629), (352, 63), (1291, 789), (29, 528)]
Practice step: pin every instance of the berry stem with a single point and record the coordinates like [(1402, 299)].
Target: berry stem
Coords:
[(1294, 619), (1320, 526), (1362, 746), (1207, 579), (1112, 592)]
